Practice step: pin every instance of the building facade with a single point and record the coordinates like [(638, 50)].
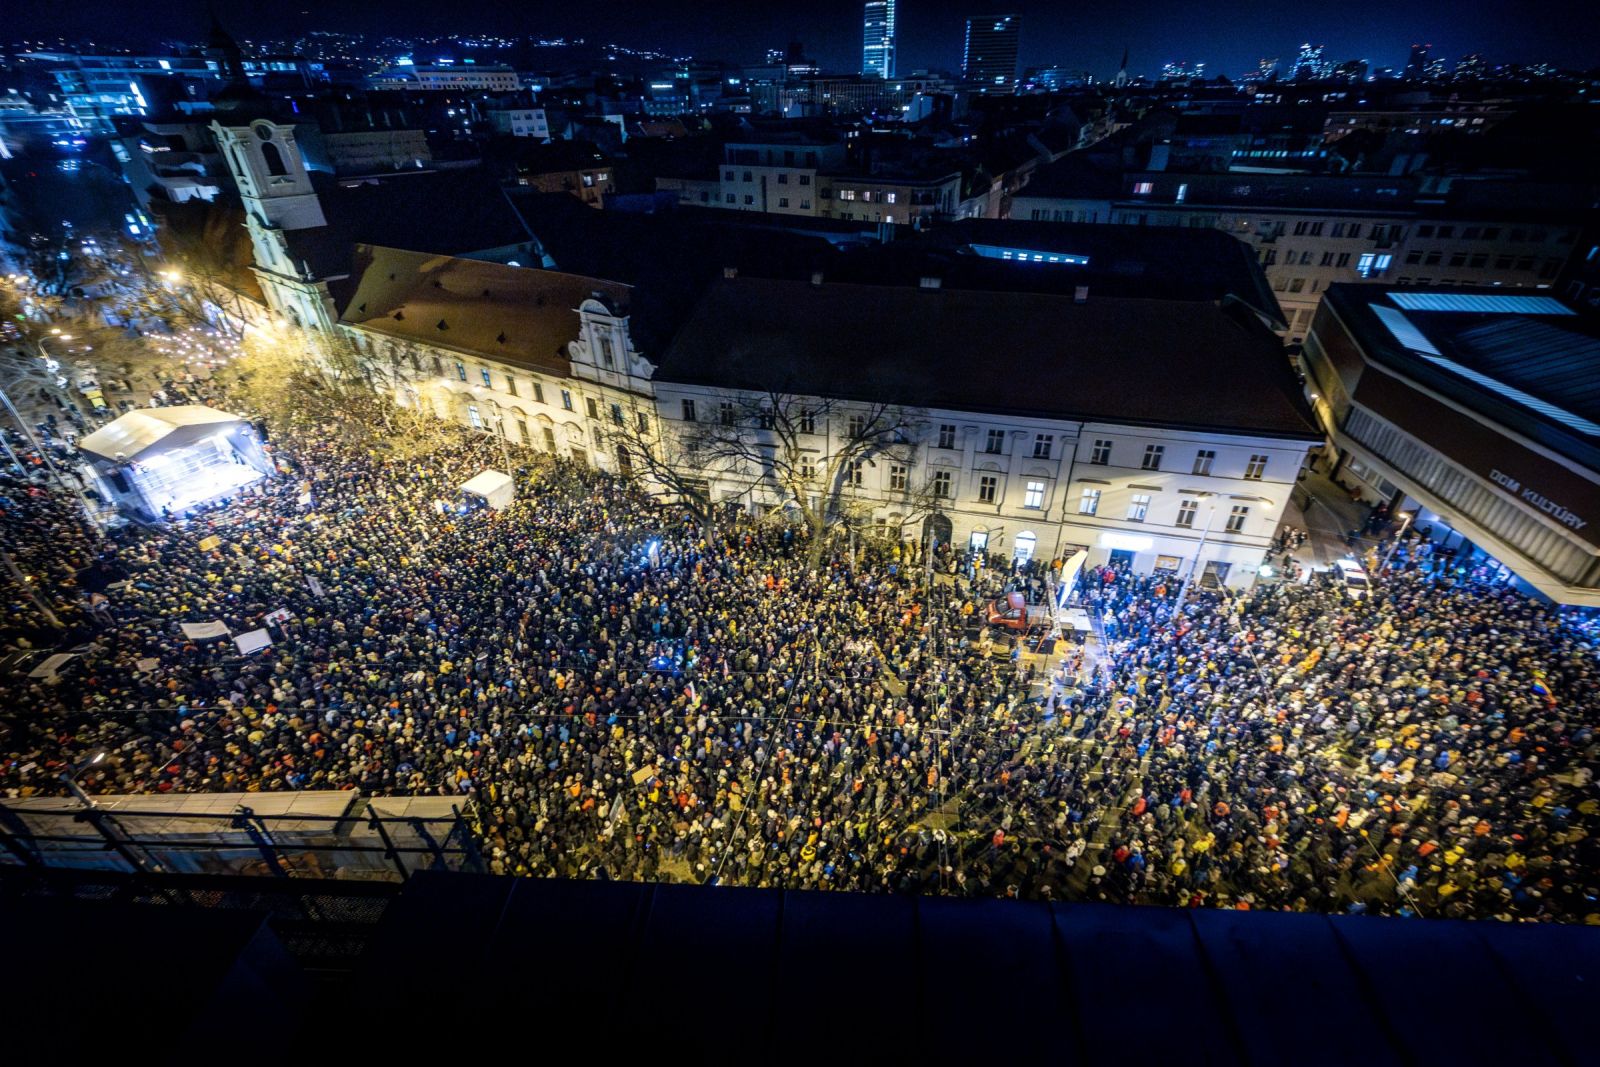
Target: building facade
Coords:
[(1473, 413), (1371, 229), (547, 361), (878, 38), (989, 54)]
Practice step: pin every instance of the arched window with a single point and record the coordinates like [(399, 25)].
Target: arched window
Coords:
[(274, 158), (1024, 547)]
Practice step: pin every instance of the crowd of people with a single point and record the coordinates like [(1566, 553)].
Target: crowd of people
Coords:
[(622, 693)]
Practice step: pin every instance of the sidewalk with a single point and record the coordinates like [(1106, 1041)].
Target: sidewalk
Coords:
[(1327, 515)]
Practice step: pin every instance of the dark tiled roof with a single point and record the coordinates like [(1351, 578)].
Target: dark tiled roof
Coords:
[(1163, 262), (447, 212), (1151, 362), (515, 314), (1553, 359), (1076, 174)]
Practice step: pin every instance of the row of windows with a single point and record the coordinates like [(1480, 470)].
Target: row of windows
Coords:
[(1155, 455), (866, 195), (941, 482), (1139, 510), (1489, 233), (1488, 508), (783, 178), (488, 380), (1477, 260)]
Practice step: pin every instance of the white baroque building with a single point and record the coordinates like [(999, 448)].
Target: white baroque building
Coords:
[(1139, 430)]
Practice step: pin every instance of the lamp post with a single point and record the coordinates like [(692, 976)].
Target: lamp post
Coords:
[(100, 819), (1405, 523), (500, 431), (1183, 590)]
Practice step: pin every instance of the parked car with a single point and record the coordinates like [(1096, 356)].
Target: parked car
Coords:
[(1355, 580)]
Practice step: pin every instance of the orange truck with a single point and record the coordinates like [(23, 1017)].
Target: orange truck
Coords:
[(1013, 612)]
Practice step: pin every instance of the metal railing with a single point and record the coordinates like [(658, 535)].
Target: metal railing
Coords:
[(359, 844)]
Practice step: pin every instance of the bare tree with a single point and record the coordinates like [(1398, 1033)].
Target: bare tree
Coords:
[(662, 463), (305, 378), (807, 453)]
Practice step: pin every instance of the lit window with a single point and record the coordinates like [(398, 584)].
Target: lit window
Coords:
[(1138, 507), (1033, 495), (473, 417), (1089, 502), (1143, 188)]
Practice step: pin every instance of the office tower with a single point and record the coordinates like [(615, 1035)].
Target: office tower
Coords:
[(1308, 64), (1417, 67), (990, 56), (877, 38)]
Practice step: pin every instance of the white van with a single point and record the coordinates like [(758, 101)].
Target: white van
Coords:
[(1356, 582)]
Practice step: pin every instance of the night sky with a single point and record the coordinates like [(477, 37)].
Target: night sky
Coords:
[(1228, 37)]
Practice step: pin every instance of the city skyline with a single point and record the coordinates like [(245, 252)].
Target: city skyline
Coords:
[(929, 33)]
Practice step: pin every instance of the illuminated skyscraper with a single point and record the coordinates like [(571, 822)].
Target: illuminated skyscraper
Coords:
[(1308, 64), (1417, 67), (877, 38), (990, 56)]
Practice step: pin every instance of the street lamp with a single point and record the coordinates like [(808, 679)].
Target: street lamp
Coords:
[(1405, 522), (1183, 590), (101, 819)]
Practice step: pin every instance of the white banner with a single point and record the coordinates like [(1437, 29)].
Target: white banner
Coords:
[(49, 667), (204, 631), (253, 641)]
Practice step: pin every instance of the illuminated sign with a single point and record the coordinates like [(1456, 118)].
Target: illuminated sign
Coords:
[(1538, 500), (1128, 542)]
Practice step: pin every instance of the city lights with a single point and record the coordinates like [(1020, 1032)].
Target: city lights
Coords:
[(1122, 473)]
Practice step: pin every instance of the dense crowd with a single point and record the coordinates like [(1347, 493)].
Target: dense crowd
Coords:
[(624, 694)]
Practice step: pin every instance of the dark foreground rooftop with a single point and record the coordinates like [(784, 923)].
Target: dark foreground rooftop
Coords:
[(608, 972)]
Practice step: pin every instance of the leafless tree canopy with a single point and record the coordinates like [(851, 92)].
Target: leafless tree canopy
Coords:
[(807, 453)]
